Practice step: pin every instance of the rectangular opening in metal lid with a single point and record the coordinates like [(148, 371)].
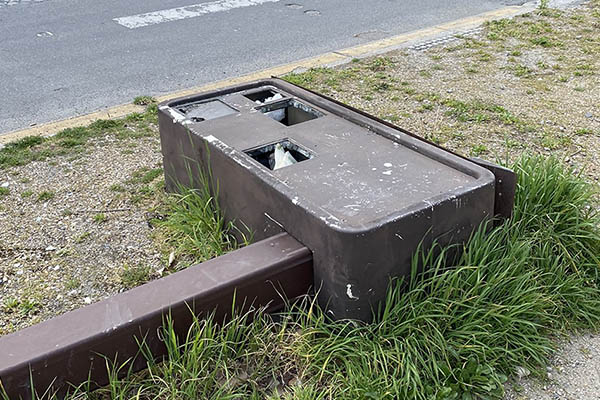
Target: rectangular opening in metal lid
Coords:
[(264, 96), (278, 155), (290, 112), (205, 110)]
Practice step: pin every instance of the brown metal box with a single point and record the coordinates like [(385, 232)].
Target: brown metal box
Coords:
[(362, 195)]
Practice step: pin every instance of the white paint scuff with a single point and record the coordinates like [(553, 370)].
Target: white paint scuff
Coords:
[(185, 12), (174, 114), (210, 138), (349, 292)]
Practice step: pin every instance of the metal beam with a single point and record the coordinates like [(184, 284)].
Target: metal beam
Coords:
[(69, 348)]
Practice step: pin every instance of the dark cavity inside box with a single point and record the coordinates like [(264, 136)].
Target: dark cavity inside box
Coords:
[(360, 194)]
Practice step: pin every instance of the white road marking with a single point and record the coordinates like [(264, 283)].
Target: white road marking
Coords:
[(191, 11)]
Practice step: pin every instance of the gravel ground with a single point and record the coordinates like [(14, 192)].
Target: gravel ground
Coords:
[(67, 237), (573, 373), (528, 84)]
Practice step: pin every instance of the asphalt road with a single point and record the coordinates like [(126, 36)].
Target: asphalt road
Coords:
[(62, 58)]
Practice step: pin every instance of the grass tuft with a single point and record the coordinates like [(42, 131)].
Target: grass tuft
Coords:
[(144, 100), (20, 152), (135, 275), (45, 195), (195, 225), (450, 333)]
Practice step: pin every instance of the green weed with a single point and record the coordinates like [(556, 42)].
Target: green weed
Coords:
[(100, 218), (447, 333), (144, 100), (72, 284), (583, 131), (132, 276), (45, 195), (81, 238), (20, 152)]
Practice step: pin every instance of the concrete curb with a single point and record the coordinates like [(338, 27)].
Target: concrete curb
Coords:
[(327, 59)]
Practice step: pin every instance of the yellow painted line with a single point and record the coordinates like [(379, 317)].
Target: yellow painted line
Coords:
[(331, 58)]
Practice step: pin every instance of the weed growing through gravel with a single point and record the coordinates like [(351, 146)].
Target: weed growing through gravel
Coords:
[(134, 275), (151, 175), (100, 217), (4, 191), (144, 100), (81, 238), (21, 307), (449, 333), (72, 284), (45, 195)]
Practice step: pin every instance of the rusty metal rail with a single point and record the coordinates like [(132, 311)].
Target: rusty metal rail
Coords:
[(70, 348)]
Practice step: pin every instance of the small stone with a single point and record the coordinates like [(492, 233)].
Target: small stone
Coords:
[(522, 372), (50, 248), (588, 115), (5, 184), (87, 300)]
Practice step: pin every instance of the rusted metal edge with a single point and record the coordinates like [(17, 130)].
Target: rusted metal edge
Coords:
[(70, 348)]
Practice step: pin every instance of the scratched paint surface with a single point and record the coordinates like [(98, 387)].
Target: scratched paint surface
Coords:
[(357, 177)]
